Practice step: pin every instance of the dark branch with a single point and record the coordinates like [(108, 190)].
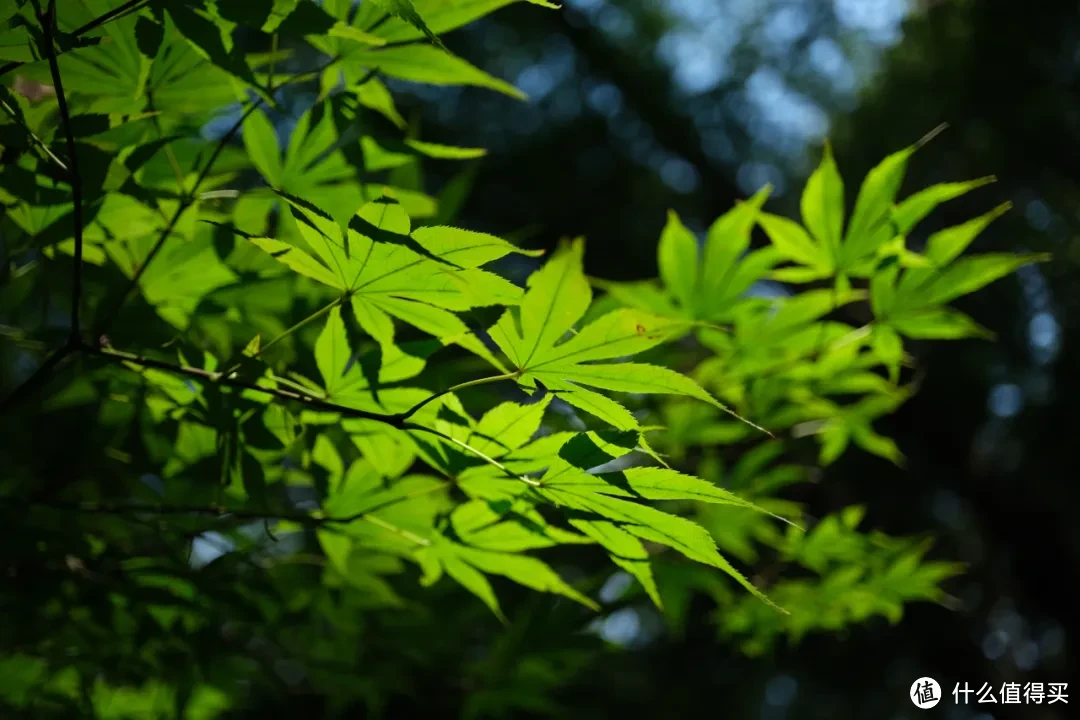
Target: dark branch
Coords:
[(214, 511), (121, 358), (40, 376), (220, 511), (118, 11), (44, 146), (131, 5), (48, 24)]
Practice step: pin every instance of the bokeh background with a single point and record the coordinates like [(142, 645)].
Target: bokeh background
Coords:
[(637, 106)]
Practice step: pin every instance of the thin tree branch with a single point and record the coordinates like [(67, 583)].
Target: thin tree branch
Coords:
[(33, 136), (219, 511), (397, 420), (114, 14), (186, 202), (48, 23), (96, 22), (169, 154), (190, 198), (220, 378), (39, 376)]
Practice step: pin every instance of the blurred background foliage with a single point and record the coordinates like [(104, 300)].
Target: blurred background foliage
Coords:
[(644, 105)]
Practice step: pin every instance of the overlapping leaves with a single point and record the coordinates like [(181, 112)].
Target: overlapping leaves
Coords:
[(702, 282), (533, 337), (386, 270), (493, 461)]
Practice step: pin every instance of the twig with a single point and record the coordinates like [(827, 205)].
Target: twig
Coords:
[(460, 386), (186, 202), (113, 14), (48, 25), (189, 199), (40, 375), (169, 154), (33, 136), (219, 511), (397, 420), (101, 20), (122, 358)]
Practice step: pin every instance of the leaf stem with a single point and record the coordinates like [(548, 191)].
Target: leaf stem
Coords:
[(169, 154), (932, 134), (486, 458), (460, 386), (376, 520), (314, 316), (115, 13)]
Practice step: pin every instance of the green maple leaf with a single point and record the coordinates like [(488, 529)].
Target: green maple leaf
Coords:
[(565, 469), (532, 337), (912, 301), (387, 271), (607, 510), (470, 565), (705, 282)]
